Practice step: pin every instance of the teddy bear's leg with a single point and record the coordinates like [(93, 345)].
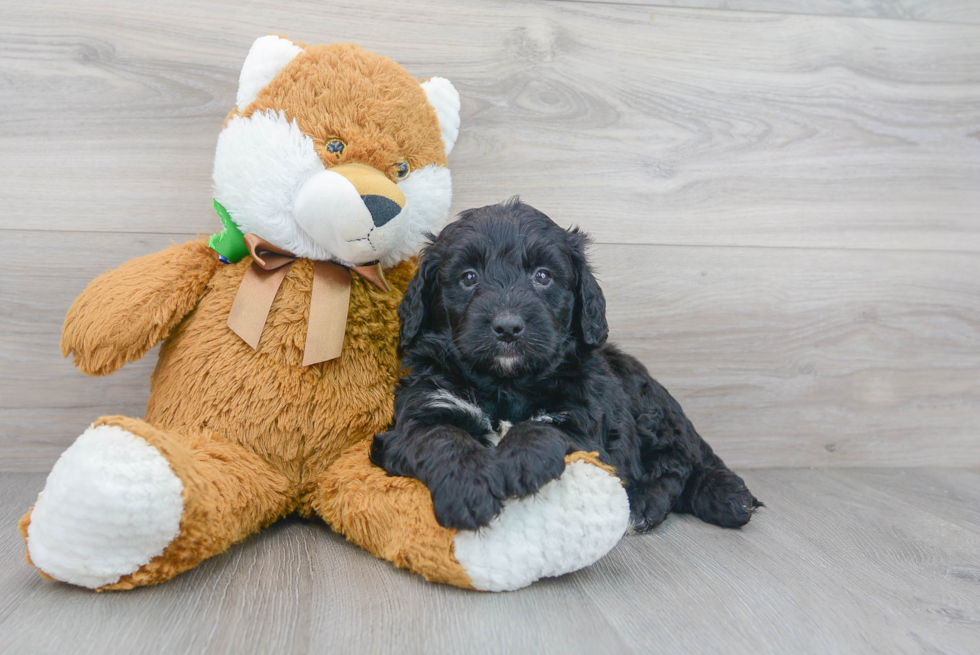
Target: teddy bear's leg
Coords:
[(569, 524), (130, 505)]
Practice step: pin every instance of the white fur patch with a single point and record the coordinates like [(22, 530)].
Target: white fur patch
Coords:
[(330, 209), (568, 525), (260, 164), (267, 56), (506, 363), (495, 437), (549, 418), (444, 99), (428, 194), (442, 399), (110, 505), (263, 162)]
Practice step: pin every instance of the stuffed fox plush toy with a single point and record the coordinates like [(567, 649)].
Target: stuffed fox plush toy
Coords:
[(279, 353)]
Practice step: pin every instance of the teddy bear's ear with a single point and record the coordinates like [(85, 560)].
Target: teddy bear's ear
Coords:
[(267, 56), (445, 100)]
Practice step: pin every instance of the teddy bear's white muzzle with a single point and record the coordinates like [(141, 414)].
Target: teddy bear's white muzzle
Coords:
[(346, 209)]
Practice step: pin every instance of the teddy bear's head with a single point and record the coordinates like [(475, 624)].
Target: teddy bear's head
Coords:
[(336, 154)]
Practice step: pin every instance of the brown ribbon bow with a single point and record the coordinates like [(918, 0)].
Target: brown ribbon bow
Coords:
[(329, 299)]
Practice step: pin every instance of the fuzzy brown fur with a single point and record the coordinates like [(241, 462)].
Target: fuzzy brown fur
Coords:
[(373, 105), (390, 517), (253, 434), (298, 419), (143, 300)]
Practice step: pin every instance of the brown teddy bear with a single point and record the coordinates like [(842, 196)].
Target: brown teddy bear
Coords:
[(279, 352)]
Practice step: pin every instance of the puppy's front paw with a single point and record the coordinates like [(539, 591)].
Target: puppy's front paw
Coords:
[(531, 456), (470, 494)]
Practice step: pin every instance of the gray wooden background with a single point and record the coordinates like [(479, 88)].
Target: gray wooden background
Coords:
[(785, 196)]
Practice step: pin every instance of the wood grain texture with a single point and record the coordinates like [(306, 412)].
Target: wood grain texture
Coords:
[(786, 210), (952, 11), (699, 127), (837, 562), (782, 357), (786, 206), (786, 357)]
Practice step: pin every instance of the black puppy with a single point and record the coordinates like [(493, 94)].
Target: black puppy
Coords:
[(503, 331)]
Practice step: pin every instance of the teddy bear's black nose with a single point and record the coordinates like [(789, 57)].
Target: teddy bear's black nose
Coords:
[(382, 209)]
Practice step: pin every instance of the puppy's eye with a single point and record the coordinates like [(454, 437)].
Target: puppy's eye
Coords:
[(468, 279), (542, 277), (336, 146), (402, 169)]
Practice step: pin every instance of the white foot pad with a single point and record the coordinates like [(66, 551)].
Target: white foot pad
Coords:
[(569, 524), (109, 506)]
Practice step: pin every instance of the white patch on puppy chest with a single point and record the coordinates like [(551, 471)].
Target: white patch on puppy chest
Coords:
[(550, 418), (111, 504), (495, 437), (568, 525), (442, 399)]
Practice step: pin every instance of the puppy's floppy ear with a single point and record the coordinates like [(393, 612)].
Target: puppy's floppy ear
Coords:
[(590, 304), (416, 306)]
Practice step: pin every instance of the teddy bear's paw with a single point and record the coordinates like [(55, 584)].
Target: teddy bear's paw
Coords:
[(568, 525), (109, 506)]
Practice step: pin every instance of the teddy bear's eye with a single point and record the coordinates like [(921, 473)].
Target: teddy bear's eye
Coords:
[(336, 146), (402, 169)]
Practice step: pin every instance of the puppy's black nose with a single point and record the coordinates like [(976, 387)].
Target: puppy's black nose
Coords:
[(508, 326)]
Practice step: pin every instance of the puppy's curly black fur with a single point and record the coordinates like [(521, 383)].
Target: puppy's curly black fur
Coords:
[(503, 332)]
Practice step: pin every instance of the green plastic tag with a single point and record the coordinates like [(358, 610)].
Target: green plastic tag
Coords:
[(230, 242)]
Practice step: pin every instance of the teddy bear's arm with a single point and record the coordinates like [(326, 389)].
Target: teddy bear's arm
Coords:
[(125, 312), (569, 524)]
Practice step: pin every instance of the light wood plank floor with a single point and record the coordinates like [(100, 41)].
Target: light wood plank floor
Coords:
[(842, 561)]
